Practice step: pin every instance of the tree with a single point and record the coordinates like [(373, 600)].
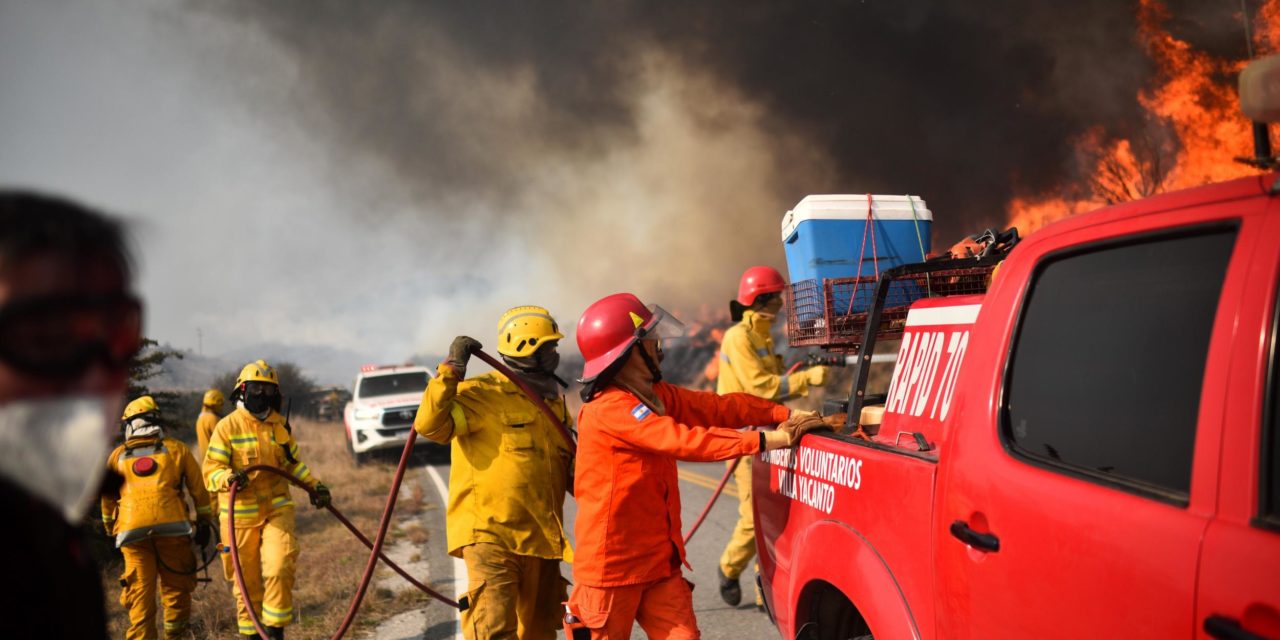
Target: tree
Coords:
[(147, 364)]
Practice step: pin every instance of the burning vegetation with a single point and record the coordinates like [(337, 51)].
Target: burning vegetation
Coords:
[(1193, 129)]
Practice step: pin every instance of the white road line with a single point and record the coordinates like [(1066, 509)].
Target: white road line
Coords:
[(459, 567)]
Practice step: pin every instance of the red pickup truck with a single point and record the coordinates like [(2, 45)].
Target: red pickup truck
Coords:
[(1079, 439)]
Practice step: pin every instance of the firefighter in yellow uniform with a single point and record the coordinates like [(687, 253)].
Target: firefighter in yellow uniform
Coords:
[(748, 364), (510, 472), (255, 433), (151, 524), (209, 410)]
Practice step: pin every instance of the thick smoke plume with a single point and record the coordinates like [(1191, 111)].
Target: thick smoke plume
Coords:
[(391, 173), (965, 103)]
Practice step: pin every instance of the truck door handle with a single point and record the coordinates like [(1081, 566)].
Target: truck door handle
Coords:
[(1226, 628), (983, 541)]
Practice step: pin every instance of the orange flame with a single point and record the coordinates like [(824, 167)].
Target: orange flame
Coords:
[(1193, 102)]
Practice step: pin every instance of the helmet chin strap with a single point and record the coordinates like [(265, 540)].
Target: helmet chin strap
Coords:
[(654, 369)]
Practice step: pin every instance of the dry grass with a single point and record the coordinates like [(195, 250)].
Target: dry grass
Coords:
[(331, 561)]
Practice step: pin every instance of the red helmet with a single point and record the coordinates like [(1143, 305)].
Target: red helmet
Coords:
[(609, 327), (758, 280)]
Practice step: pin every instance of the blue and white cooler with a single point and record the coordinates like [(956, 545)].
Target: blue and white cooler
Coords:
[(827, 236)]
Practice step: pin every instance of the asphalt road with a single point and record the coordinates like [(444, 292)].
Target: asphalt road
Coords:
[(716, 619)]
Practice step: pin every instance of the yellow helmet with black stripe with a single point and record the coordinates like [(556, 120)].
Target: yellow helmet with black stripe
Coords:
[(521, 330)]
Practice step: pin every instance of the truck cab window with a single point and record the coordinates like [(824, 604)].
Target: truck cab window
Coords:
[(1105, 373)]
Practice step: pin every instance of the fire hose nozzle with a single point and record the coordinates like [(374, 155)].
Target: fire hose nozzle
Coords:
[(827, 361)]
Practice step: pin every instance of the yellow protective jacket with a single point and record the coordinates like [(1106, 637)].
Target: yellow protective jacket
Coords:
[(510, 468), (749, 365), (204, 428), (152, 502), (241, 440)]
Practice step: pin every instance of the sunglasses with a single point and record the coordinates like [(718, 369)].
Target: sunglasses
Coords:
[(62, 336)]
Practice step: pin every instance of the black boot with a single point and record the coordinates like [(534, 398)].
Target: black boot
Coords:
[(730, 590), (275, 633)]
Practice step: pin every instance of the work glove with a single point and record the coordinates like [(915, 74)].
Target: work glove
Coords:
[(800, 423), (776, 439), (320, 497), (817, 376), (460, 353), (238, 478), (204, 532)]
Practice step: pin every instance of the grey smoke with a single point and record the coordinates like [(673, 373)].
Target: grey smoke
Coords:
[(381, 176)]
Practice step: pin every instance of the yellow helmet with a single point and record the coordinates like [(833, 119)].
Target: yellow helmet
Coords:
[(523, 329), (213, 398), (144, 404), (258, 371)]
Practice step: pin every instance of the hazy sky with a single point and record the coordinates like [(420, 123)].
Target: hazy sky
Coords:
[(255, 224), (249, 224)]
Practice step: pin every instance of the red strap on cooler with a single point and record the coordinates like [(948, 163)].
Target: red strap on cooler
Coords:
[(868, 228)]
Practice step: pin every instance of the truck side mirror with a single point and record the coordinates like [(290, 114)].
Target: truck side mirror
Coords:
[(1260, 90)]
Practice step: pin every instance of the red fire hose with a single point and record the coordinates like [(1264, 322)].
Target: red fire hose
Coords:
[(375, 547), (533, 395), (714, 496)]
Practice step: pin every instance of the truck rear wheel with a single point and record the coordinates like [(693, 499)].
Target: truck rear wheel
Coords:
[(833, 617)]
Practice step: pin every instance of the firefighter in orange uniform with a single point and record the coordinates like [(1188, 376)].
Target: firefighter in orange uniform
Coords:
[(150, 522), (632, 430)]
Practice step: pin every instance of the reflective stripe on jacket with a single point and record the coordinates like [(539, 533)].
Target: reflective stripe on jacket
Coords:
[(628, 526), (153, 504), (241, 440), (748, 363), (510, 466)]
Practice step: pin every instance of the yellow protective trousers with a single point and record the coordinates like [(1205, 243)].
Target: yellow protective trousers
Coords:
[(268, 556), (144, 561), (511, 595), (742, 544)]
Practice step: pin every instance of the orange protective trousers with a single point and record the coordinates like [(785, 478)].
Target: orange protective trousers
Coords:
[(664, 609)]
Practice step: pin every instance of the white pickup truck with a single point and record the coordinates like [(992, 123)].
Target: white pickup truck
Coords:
[(384, 400)]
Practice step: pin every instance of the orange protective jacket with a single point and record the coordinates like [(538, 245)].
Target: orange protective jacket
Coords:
[(628, 525)]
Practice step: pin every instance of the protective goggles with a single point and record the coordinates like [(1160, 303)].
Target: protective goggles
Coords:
[(257, 388), (62, 336), (662, 326)]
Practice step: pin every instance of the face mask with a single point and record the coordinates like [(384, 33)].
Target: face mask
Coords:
[(56, 449), (548, 360), (140, 428), (258, 405), (259, 398)]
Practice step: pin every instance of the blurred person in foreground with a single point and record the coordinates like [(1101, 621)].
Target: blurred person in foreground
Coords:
[(69, 326), (749, 364), (508, 479), (632, 429), (151, 524)]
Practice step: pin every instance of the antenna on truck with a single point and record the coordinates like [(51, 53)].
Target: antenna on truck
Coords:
[(1262, 156)]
